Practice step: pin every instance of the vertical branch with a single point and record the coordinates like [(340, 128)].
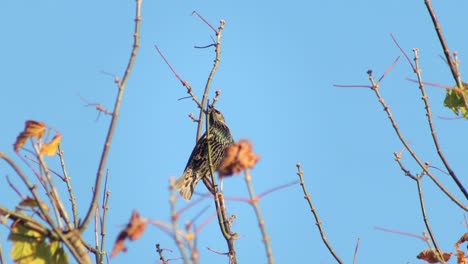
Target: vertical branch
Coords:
[(115, 114), (223, 218), (53, 194), (426, 222), (445, 48), (210, 77), (261, 223), (300, 173), (105, 209), (2, 256), (69, 187), (452, 174), (175, 228)]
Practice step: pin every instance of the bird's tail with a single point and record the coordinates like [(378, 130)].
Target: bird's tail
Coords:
[(186, 184)]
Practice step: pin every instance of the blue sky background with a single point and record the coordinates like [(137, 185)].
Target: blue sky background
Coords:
[(278, 66)]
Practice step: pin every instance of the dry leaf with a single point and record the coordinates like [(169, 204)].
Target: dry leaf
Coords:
[(461, 257), (31, 202), (132, 231), (462, 239), (239, 156), (31, 129), (50, 148), (430, 256), (35, 128)]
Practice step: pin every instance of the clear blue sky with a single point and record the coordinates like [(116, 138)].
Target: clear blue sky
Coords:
[(279, 63)]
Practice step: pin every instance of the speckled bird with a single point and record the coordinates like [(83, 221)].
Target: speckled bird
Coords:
[(198, 165)]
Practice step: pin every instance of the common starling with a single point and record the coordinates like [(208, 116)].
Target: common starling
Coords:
[(198, 165)]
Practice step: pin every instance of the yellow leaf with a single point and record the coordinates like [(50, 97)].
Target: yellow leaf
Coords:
[(50, 148)]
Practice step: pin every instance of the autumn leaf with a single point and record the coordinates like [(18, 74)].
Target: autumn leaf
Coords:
[(455, 99), (431, 256), (30, 247), (31, 202), (132, 231), (31, 129), (239, 156), (50, 148)]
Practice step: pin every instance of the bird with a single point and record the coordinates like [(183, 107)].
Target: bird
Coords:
[(198, 165)]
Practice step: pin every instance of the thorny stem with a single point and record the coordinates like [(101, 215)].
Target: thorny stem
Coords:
[(261, 223), (115, 114), (300, 173)]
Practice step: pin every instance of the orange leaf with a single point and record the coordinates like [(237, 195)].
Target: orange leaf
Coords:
[(431, 256), (132, 231), (31, 129), (461, 257), (50, 148), (239, 156), (35, 129)]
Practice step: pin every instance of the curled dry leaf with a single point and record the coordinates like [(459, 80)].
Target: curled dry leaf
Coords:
[(462, 239), (50, 148), (31, 129), (132, 231), (239, 156), (430, 256), (461, 257)]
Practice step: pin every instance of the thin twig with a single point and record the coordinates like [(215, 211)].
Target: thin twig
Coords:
[(2, 256), (407, 146), (175, 227), (14, 188), (426, 222), (300, 173), (161, 256), (356, 250), (432, 128), (105, 209), (445, 48), (115, 114), (261, 223), (76, 252), (69, 187), (212, 73), (182, 81), (220, 205)]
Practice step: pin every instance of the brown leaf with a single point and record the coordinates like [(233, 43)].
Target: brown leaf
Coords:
[(35, 128), (31, 202), (461, 257), (50, 148), (239, 156), (430, 256), (132, 231), (31, 129)]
